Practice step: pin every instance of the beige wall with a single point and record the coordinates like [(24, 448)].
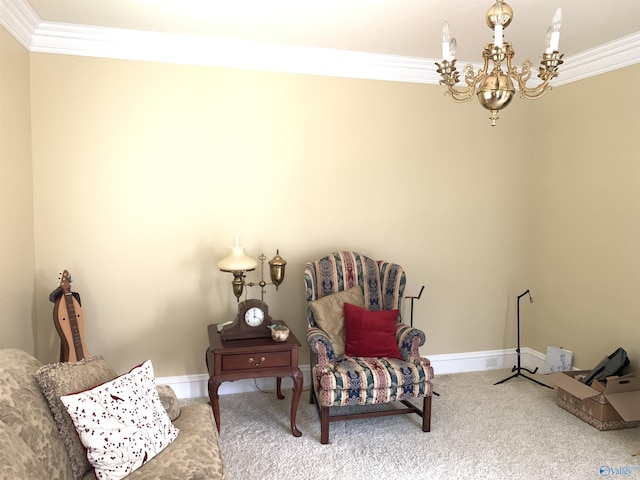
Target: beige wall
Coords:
[(16, 198), (586, 262), (144, 172)]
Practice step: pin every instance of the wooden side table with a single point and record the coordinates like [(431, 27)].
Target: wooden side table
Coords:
[(253, 358)]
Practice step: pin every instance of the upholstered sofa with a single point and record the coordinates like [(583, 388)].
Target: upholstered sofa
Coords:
[(32, 446)]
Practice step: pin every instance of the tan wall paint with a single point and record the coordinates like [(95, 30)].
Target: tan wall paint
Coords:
[(136, 166), (144, 172), (16, 198), (586, 261)]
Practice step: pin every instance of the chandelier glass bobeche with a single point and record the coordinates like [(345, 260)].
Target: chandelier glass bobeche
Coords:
[(495, 88)]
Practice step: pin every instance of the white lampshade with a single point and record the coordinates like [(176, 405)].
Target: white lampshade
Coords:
[(237, 261)]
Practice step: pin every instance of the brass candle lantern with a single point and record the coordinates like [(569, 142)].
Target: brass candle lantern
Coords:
[(276, 272), (276, 269)]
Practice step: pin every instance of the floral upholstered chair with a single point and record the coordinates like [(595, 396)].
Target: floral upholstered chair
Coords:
[(361, 352)]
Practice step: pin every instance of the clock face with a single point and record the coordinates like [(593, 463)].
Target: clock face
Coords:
[(254, 317)]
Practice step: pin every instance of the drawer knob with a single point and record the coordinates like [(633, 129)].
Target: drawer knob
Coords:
[(262, 359)]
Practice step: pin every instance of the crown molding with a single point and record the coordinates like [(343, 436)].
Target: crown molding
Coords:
[(619, 53), (67, 39), (139, 45), (19, 19)]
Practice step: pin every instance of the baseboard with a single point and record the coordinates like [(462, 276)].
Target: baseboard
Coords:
[(485, 360), (192, 386)]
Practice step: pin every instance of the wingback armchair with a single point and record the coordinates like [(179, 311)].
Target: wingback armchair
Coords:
[(361, 352)]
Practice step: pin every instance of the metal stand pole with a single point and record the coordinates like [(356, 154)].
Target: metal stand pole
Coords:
[(412, 299)]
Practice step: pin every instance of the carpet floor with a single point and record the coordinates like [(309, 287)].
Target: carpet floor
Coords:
[(478, 431)]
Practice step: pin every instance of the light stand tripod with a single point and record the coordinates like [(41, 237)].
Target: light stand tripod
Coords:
[(517, 368)]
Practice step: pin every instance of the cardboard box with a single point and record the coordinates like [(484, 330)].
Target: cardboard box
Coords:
[(611, 407)]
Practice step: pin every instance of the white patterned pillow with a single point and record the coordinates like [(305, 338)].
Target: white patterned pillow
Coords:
[(121, 423)]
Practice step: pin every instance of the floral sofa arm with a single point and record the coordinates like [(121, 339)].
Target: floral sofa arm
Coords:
[(321, 345), (409, 341)]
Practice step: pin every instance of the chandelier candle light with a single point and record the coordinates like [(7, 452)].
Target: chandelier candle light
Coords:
[(495, 88)]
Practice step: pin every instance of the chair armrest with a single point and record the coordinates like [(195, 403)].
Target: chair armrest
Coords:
[(169, 401), (409, 341), (321, 345)]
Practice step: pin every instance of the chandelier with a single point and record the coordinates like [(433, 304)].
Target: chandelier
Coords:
[(495, 88)]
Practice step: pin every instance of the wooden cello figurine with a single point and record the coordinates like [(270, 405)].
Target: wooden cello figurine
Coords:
[(69, 321)]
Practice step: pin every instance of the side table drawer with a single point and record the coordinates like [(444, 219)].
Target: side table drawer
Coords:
[(247, 361)]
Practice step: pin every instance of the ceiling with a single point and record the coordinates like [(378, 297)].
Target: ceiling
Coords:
[(397, 27)]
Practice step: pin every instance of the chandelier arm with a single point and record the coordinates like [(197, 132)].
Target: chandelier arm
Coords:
[(460, 94), (473, 80), (547, 72), (535, 92), (450, 77)]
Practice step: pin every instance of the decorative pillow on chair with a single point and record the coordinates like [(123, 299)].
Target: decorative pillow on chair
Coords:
[(329, 314), (122, 423), (370, 334), (59, 379)]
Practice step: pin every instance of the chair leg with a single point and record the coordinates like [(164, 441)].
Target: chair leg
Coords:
[(312, 396), (426, 414), (324, 425)]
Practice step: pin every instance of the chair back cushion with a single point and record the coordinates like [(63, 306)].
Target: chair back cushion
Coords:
[(382, 282), (328, 313)]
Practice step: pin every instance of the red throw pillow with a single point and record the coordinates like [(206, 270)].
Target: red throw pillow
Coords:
[(370, 334)]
